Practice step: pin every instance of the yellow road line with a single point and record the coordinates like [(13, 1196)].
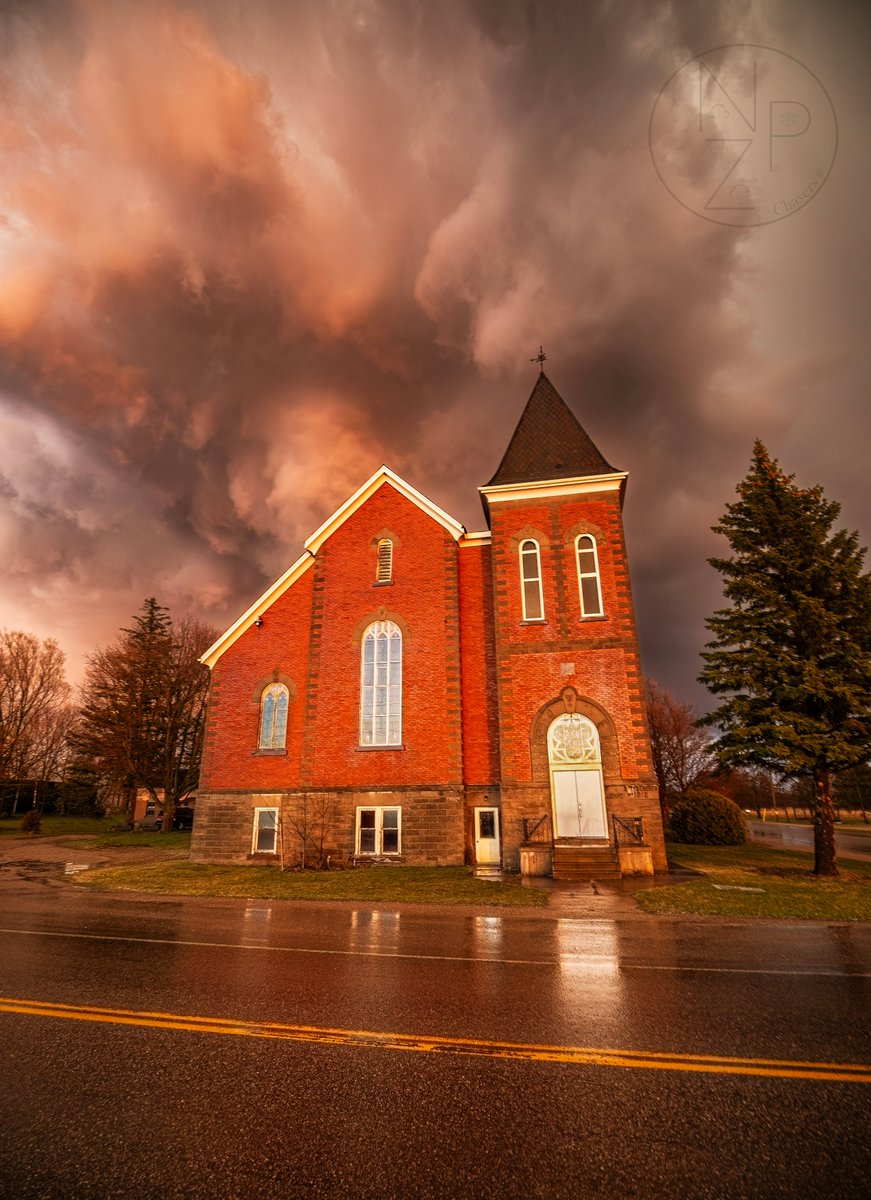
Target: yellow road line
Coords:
[(649, 1060)]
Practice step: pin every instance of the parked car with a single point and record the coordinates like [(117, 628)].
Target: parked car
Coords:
[(182, 819)]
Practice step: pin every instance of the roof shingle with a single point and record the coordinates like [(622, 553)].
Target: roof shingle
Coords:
[(549, 443)]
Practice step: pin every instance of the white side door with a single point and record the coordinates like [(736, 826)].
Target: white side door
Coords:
[(487, 848)]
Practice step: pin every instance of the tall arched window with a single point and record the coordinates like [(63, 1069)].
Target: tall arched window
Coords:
[(273, 717), (381, 686), (589, 582), (384, 570), (530, 581)]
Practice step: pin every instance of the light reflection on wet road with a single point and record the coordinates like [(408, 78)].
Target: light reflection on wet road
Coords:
[(459, 1126)]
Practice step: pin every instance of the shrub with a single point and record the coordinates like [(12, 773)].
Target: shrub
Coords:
[(31, 822), (703, 818)]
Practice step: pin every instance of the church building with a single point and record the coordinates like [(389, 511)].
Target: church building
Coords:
[(410, 692)]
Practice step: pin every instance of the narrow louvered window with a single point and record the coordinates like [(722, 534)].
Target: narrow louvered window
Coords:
[(385, 561)]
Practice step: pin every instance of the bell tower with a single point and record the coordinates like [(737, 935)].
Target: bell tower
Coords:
[(575, 759)]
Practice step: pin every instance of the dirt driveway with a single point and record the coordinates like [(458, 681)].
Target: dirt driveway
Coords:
[(54, 860)]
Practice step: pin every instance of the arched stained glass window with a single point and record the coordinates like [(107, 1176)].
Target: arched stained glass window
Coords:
[(381, 685), (274, 703), (530, 581), (573, 740), (589, 582)]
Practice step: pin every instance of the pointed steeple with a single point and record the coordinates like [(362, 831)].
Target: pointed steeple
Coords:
[(549, 443)]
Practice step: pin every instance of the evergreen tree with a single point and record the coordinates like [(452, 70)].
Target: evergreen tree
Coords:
[(143, 714), (792, 653)]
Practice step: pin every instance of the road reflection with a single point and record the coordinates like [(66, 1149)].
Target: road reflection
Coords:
[(374, 932), (256, 923)]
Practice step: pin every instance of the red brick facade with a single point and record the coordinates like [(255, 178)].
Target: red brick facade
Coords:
[(479, 685)]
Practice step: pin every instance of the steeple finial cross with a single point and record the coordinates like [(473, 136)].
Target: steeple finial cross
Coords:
[(541, 359)]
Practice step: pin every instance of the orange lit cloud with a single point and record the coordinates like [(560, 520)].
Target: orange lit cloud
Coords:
[(249, 252)]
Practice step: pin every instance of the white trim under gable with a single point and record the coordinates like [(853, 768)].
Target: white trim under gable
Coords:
[(478, 538), (547, 489), (370, 487), (312, 545), (248, 618)]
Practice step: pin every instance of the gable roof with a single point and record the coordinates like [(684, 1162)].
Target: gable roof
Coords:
[(316, 540), (369, 488), (253, 614), (549, 443)]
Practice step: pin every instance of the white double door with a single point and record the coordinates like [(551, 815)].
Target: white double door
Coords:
[(579, 804)]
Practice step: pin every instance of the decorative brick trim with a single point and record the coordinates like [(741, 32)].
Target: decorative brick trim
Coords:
[(265, 681), (380, 614)]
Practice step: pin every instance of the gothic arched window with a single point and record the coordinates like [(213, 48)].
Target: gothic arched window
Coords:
[(381, 685), (274, 703)]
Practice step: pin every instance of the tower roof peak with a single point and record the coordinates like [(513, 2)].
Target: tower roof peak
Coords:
[(549, 442)]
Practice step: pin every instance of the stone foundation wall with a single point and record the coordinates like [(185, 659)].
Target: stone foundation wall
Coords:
[(432, 824)]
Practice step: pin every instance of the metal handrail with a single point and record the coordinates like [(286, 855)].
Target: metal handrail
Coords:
[(628, 829), (531, 825)]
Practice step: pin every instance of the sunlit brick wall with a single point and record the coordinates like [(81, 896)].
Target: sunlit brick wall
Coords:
[(277, 650), (480, 715)]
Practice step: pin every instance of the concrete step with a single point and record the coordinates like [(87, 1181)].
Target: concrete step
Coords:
[(579, 862)]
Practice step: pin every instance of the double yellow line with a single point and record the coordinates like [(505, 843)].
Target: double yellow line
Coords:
[(647, 1060)]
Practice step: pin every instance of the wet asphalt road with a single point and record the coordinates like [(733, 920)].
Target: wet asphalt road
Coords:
[(851, 842), (103, 1109)]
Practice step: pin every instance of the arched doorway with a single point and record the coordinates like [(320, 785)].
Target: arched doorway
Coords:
[(575, 761)]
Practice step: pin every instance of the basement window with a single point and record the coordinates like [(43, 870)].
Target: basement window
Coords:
[(265, 836), (379, 830)]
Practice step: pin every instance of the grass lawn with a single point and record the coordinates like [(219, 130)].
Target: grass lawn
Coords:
[(91, 833), (10, 827), (392, 885), (781, 881)]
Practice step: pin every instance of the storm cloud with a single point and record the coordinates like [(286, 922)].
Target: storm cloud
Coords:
[(250, 252)]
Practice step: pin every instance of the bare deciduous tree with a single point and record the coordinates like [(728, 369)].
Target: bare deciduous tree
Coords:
[(35, 709), (681, 754), (312, 821)]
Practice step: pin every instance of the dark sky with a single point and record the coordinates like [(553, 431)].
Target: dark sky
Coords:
[(250, 251)]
